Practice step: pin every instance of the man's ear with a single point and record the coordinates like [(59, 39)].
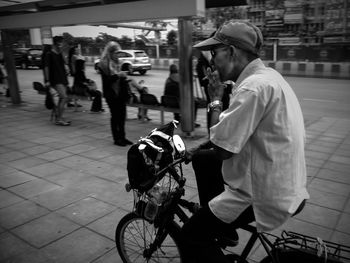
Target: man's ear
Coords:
[(232, 50)]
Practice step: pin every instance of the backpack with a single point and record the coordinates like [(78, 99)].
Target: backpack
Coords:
[(150, 155)]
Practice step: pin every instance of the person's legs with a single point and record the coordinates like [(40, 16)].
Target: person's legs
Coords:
[(62, 94), (120, 121), (96, 105), (207, 169), (114, 119), (201, 231)]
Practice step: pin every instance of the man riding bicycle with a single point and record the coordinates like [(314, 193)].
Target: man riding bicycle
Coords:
[(258, 142)]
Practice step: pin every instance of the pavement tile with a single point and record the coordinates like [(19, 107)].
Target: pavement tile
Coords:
[(58, 198), (340, 159), (113, 159), (86, 210), (341, 238), (96, 167), (11, 245), (312, 171), (107, 224), (332, 146), (46, 169), (15, 178), (111, 256), (313, 162), (21, 145), (34, 150), (116, 175), (81, 246), (340, 167), (59, 144), (7, 198), (32, 256), (101, 143), (319, 215), (114, 194), (335, 140), (318, 148), (45, 139), (26, 162), (347, 207), (79, 148), (73, 161), (20, 213), (33, 188), (97, 154), (54, 155), (11, 156), (330, 186), (5, 169), (342, 152), (69, 178), (317, 155), (341, 177), (344, 223), (326, 199), (8, 141), (4, 149), (45, 229)]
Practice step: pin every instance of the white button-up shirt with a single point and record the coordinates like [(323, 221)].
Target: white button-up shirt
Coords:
[(264, 128)]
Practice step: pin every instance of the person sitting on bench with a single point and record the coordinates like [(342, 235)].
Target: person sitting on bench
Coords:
[(172, 88), (86, 87)]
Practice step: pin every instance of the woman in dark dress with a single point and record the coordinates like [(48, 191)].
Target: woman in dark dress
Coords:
[(115, 91)]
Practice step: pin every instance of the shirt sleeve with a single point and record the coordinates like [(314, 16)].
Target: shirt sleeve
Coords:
[(239, 121)]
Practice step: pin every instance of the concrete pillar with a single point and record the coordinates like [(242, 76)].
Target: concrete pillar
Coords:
[(46, 35), (10, 66), (35, 36), (185, 71)]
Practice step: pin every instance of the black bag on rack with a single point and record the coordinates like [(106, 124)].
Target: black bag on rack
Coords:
[(149, 155)]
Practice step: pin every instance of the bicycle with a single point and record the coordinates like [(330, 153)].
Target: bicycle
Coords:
[(151, 232)]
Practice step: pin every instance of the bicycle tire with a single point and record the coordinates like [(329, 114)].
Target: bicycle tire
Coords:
[(134, 234)]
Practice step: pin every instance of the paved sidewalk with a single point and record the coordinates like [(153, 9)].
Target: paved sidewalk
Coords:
[(62, 188)]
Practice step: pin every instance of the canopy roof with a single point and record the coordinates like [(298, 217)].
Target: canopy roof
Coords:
[(37, 13)]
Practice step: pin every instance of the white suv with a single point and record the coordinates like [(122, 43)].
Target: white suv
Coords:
[(131, 61)]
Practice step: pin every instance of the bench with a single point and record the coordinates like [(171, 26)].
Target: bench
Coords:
[(160, 108)]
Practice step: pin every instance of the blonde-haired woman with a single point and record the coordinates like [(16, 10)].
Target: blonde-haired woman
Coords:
[(115, 91)]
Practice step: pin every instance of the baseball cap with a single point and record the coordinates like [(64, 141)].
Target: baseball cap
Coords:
[(243, 35)]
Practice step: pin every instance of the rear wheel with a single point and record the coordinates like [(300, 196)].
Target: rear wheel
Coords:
[(134, 235), (143, 72)]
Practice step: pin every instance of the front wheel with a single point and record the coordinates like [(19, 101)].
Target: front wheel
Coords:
[(133, 238)]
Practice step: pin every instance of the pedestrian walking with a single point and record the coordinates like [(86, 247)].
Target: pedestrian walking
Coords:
[(55, 75)]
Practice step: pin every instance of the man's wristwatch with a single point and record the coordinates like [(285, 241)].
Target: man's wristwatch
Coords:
[(216, 104)]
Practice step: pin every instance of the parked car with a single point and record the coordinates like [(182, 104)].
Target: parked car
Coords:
[(131, 61), (27, 57)]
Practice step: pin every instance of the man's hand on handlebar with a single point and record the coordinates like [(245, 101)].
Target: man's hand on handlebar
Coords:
[(189, 153)]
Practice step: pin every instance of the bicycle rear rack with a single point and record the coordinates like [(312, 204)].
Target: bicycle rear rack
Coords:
[(323, 249)]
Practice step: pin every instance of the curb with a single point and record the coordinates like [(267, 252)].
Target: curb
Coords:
[(287, 68)]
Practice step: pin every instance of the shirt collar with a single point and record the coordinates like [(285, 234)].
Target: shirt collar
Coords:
[(249, 70)]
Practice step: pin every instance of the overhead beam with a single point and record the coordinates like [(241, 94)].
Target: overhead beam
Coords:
[(135, 27), (121, 12)]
